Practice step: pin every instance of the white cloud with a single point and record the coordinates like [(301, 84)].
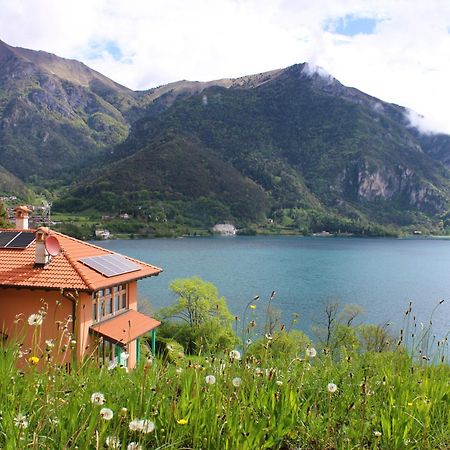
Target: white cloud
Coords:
[(406, 60)]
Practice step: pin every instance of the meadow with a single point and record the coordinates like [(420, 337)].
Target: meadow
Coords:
[(371, 400)]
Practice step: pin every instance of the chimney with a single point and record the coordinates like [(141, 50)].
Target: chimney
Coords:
[(42, 257), (21, 214)]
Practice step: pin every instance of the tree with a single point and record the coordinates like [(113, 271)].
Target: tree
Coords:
[(4, 222), (199, 320)]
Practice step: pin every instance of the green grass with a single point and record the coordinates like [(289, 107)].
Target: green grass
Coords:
[(383, 400)]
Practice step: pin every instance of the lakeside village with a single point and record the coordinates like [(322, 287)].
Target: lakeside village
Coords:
[(84, 368)]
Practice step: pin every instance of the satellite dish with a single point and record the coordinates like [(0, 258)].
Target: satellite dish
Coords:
[(52, 246)]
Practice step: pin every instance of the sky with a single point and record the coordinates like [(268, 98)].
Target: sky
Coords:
[(396, 50)]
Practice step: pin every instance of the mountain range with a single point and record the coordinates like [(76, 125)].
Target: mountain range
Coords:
[(291, 146)]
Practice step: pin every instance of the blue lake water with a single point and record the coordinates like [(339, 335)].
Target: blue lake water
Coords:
[(381, 275)]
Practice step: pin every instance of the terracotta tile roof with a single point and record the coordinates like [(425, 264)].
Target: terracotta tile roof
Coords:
[(125, 327), (63, 271)]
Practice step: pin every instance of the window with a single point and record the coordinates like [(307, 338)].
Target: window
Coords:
[(109, 301)]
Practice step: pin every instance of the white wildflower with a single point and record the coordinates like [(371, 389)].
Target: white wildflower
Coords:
[(20, 421), (377, 433), (179, 369), (331, 387), (106, 413), (97, 398), (279, 383), (35, 319), (210, 379), (236, 381), (50, 343), (311, 352)]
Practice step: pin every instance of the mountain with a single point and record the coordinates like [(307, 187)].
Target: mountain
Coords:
[(293, 145)]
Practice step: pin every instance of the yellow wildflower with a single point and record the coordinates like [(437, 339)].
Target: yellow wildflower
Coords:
[(182, 421), (253, 306), (33, 360)]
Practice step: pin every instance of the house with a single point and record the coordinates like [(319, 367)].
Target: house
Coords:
[(102, 234), (224, 229), (77, 294)]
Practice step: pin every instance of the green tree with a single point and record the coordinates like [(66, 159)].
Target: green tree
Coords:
[(199, 320), (4, 222)]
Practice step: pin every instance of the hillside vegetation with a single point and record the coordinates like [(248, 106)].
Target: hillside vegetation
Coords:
[(292, 146)]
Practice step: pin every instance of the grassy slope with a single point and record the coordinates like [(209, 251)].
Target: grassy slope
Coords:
[(382, 401)]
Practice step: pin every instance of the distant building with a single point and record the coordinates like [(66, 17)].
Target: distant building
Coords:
[(102, 234), (225, 229)]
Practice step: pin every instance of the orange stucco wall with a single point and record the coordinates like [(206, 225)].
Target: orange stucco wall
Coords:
[(59, 308), (17, 305)]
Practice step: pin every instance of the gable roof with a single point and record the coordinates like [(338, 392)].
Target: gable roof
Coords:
[(64, 271)]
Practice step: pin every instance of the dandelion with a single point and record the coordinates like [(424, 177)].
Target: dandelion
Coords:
[(35, 319), (252, 306), (311, 352), (377, 433), (33, 360), (235, 354), (134, 446), (146, 426), (97, 398), (20, 421), (112, 442), (134, 425), (331, 387), (210, 379), (106, 413), (182, 421), (236, 381)]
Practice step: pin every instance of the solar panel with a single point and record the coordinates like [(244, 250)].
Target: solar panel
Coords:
[(110, 265), (22, 240), (6, 237)]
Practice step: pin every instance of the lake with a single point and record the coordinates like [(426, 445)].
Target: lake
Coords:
[(381, 275)]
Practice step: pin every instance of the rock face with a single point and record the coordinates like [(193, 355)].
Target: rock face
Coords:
[(292, 143)]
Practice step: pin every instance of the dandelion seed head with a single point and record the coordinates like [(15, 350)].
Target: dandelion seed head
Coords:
[(134, 446), (146, 426), (106, 413), (235, 354), (311, 352), (20, 421), (35, 319), (236, 381), (210, 379), (97, 398), (134, 425), (331, 387)]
